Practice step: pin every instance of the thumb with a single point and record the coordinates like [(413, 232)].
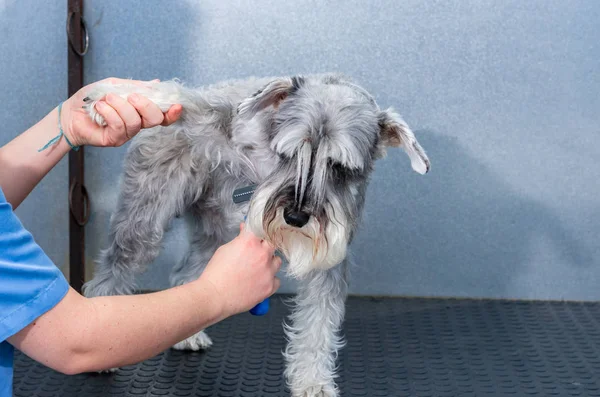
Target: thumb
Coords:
[(172, 115)]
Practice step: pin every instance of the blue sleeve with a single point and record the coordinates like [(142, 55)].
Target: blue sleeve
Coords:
[(30, 284)]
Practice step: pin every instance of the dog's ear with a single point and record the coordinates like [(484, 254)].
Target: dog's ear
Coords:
[(394, 132), (270, 95)]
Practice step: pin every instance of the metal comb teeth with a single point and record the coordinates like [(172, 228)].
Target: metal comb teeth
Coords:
[(243, 194)]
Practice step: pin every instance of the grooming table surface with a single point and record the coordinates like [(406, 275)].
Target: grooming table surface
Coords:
[(395, 347)]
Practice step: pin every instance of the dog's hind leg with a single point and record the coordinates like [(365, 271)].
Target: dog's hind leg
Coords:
[(155, 187), (313, 336)]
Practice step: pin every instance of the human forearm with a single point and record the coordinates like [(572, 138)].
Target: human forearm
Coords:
[(81, 335), (129, 329), (22, 166), (86, 334)]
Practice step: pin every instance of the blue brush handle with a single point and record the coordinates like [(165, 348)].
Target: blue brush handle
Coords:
[(263, 307)]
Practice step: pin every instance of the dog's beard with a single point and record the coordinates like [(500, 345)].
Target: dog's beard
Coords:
[(318, 245)]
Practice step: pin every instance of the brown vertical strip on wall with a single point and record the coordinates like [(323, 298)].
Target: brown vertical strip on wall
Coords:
[(78, 41)]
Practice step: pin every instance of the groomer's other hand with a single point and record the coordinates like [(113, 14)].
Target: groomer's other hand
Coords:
[(124, 118)]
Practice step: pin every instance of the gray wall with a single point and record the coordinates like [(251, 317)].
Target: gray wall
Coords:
[(33, 80), (502, 94)]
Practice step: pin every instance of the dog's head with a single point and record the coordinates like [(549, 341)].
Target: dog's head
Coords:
[(326, 134)]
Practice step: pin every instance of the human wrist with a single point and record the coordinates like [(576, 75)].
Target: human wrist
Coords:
[(66, 123), (50, 128), (204, 290)]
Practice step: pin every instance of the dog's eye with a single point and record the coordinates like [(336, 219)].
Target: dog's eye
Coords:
[(283, 158), (336, 167), (340, 171)]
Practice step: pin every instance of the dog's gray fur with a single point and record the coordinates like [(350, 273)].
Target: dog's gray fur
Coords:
[(310, 144)]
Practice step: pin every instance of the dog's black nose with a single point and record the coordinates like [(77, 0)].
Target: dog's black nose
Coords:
[(295, 218)]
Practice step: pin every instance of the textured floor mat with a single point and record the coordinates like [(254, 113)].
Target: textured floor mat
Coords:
[(395, 347)]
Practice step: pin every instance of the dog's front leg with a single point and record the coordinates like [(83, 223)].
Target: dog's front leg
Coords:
[(313, 335), (202, 249)]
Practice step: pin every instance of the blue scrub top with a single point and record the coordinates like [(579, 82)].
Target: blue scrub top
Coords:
[(30, 285)]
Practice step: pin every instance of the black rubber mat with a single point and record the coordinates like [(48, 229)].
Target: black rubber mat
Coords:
[(395, 347)]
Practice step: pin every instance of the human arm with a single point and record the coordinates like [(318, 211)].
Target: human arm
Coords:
[(124, 117), (52, 323), (87, 334)]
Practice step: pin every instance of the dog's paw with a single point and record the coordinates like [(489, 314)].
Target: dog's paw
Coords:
[(108, 371), (101, 90), (164, 95), (317, 391), (92, 99), (200, 341)]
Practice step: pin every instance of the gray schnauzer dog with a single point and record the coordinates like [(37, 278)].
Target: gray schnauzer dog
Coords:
[(308, 143)]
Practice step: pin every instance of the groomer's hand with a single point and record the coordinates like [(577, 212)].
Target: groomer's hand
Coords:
[(124, 117), (242, 273)]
